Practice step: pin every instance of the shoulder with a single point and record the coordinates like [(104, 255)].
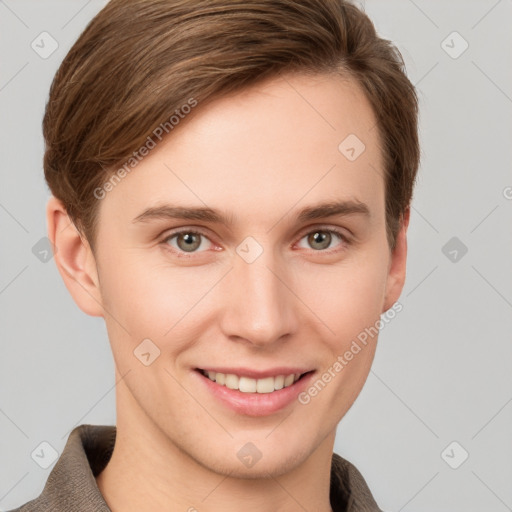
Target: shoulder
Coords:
[(349, 490), (71, 484)]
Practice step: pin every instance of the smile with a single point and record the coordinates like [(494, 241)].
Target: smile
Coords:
[(250, 385)]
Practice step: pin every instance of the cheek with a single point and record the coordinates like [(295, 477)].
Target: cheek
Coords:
[(351, 310), (347, 297), (150, 299), (359, 306)]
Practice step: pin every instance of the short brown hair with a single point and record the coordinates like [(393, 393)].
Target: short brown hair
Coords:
[(138, 61)]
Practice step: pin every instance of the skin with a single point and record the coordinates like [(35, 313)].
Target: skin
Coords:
[(262, 154)]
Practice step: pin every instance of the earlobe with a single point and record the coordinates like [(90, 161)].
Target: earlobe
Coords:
[(397, 266), (74, 259)]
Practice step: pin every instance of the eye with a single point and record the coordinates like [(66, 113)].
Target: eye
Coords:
[(190, 241), (186, 241), (320, 239)]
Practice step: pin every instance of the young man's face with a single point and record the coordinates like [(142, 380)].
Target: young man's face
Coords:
[(258, 293)]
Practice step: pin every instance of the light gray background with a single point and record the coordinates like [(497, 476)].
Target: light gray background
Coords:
[(442, 371)]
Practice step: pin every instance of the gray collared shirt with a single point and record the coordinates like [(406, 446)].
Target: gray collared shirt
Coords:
[(71, 485)]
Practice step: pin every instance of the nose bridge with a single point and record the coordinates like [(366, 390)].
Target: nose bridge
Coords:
[(258, 306)]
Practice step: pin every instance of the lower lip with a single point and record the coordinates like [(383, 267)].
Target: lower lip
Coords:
[(255, 404)]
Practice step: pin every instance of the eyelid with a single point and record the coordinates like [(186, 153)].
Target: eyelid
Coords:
[(180, 230), (343, 233)]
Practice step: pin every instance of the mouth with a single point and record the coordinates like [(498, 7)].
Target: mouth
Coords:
[(247, 384), (254, 393)]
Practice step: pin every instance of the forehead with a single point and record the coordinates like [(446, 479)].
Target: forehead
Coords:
[(288, 140)]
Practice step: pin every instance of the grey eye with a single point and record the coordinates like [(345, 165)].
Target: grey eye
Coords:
[(321, 239), (188, 242)]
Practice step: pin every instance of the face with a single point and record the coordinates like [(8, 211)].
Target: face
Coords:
[(273, 285)]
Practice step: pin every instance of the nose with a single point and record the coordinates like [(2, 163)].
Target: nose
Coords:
[(258, 306)]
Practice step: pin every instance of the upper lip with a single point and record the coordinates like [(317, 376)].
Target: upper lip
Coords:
[(257, 374)]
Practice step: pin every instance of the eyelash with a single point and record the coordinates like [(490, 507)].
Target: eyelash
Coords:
[(182, 254)]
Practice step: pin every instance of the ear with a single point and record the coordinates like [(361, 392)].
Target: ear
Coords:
[(74, 258), (397, 265)]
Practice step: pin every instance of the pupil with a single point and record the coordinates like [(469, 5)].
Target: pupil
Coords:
[(320, 237), (190, 242)]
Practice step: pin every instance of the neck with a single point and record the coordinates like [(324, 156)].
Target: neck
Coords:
[(149, 471)]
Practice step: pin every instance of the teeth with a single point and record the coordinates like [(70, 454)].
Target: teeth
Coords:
[(248, 385), (279, 382), (289, 380)]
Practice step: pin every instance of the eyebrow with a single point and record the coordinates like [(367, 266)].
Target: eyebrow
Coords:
[(329, 209)]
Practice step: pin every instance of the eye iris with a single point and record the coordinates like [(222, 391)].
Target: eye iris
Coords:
[(192, 241), (322, 237)]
